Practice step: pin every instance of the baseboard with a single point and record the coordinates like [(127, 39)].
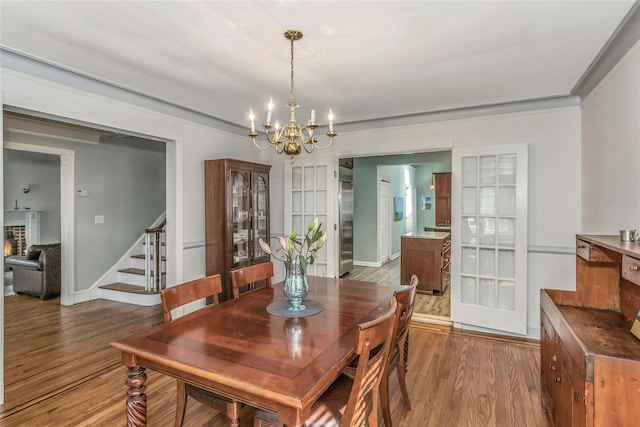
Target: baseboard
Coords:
[(428, 318), (367, 263)]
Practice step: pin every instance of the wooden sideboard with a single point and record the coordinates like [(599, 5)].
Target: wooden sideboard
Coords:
[(427, 255), (590, 362)]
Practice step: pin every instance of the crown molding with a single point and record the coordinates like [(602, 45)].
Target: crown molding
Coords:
[(20, 62), (624, 38)]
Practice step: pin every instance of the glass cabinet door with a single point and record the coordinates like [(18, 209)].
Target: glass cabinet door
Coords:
[(260, 212), (241, 216)]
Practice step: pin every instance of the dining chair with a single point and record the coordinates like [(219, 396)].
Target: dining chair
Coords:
[(398, 355), (350, 402), (177, 296), (246, 275)]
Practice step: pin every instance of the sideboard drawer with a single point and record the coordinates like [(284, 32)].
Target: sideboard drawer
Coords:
[(583, 249), (595, 253), (631, 269)]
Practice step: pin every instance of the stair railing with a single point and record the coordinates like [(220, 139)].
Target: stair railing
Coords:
[(155, 239)]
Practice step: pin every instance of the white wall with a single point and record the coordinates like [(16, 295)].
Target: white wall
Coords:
[(611, 150)]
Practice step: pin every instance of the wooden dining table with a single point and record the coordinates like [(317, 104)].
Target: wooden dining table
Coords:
[(239, 350)]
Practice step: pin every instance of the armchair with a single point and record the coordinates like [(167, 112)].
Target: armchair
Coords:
[(37, 273)]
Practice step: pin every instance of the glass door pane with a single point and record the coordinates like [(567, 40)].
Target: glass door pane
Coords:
[(241, 216), (260, 214)]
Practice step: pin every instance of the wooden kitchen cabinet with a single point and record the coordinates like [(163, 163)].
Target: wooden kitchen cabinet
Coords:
[(590, 362), (427, 255), (236, 217), (443, 198)]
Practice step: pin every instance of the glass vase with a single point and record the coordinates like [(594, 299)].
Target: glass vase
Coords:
[(296, 286)]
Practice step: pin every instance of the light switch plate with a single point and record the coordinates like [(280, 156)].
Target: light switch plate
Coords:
[(99, 219), (82, 193)]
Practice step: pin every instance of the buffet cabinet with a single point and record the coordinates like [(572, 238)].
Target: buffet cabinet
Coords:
[(590, 362), (236, 217), (427, 255)]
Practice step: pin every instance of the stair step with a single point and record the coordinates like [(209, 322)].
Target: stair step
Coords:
[(133, 270), (125, 287), (142, 256)]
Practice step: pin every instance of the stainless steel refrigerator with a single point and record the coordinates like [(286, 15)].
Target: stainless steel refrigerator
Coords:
[(345, 214)]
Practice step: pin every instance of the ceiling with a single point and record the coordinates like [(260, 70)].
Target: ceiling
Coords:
[(366, 60)]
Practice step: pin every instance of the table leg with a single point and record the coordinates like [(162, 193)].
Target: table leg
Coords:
[(137, 400), (233, 413)]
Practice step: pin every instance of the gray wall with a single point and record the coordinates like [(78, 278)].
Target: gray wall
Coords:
[(42, 172), (125, 179), (366, 174)]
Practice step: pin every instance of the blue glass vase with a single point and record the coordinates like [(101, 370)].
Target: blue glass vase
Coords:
[(296, 286)]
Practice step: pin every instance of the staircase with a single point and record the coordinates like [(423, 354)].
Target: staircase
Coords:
[(133, 279)]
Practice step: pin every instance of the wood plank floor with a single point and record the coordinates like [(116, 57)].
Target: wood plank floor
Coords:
[(437, 307), (60, 371)]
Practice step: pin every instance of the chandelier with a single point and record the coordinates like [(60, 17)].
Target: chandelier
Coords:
[(290, 138)]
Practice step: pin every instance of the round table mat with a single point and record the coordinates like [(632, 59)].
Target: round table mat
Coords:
[(280, 308)]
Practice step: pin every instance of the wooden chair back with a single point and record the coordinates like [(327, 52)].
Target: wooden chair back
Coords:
[(179, 295), (243, 276), (407, 298), (373, 343)]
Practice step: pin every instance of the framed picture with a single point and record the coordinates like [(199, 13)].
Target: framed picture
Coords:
[(426, 202), (398, 208)]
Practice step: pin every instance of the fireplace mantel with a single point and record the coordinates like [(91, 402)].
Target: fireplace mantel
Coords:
[(27, 217)]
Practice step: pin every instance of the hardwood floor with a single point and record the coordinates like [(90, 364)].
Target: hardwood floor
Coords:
[(60, 371), (427, 307)]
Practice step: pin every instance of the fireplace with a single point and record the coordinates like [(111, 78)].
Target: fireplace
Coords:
[(21, 230), (14, 240)]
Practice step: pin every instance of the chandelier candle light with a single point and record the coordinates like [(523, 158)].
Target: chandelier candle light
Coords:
[(290, 138)]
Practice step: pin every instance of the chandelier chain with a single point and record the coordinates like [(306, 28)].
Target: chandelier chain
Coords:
[(291, 93)]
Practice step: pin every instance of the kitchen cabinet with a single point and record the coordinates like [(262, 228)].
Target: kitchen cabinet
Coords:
[(590, 362), (427, 255), (443, 198), (236, 217)]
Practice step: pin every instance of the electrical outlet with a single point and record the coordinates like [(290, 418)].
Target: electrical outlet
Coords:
[(99, 219)]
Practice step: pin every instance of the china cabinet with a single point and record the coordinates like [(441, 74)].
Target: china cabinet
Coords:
[(236, 216), (590, 362)]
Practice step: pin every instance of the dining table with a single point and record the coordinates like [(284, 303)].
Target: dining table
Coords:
[(280, 362)]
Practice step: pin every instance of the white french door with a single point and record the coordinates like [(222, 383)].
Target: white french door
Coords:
[(310, 191), (489, 237)]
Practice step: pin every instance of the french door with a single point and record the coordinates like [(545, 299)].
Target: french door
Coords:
[(489, 237), (311, 191)]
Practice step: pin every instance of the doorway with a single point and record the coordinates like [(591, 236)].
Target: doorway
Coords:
[(407, 177), (384, 213), (121, 183)]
